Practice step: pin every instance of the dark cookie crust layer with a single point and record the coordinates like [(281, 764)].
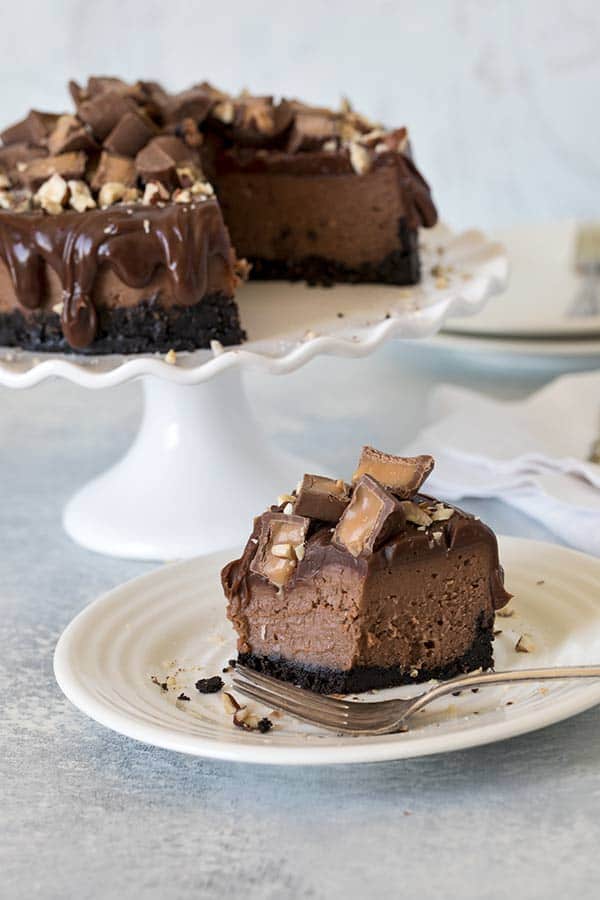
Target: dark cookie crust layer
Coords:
[(145, 328), (399, 267), (364, 678)]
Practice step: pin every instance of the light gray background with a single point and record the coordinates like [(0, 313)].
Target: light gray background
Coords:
[(501, 96), (503, 100)]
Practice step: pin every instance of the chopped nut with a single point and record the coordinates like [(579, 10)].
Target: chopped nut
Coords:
[(230, 703), (202, 189), (330, 146), (183, 195), (414, 673), (131, 195), (4, 181), (285, 498), (288, 509), (360, 158), (442, 513), (299, 551), (224, 112), (52, 195), (80, 197), (525, 644), (415, 514), (217, 347), (283, 551), (506, 613), (58, 308), (171, 357), (187, 176), (154, 193), (110, 193), (146, 225), (16, 200)]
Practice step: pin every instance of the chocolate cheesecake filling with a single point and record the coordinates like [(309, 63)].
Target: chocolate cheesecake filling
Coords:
[(408, 602)]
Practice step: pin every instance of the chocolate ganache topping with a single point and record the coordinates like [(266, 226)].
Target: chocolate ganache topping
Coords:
[(133, 241)]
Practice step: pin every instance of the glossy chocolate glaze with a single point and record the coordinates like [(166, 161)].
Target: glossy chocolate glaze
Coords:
[(133, 241)]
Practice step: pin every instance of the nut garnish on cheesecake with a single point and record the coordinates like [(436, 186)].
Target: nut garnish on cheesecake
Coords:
[(139, 213), (348, 587)]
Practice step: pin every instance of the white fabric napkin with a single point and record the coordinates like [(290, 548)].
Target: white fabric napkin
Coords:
[(532, 453)]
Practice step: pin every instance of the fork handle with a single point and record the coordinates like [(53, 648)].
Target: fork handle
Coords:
[(482, 679)]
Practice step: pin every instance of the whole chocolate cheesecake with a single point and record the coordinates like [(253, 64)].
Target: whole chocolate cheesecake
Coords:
[(127, 225), (348, 587)]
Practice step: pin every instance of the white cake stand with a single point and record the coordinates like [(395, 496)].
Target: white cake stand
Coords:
[(200, 466)]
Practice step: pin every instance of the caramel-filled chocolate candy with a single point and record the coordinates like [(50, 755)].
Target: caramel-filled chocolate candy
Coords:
[(130, 134), (322, 498), (13, 156), (403, 475), (68, 135), (70, 166), (368, 519), (114, 169), (104, 110), (280, 545), (33, 129)]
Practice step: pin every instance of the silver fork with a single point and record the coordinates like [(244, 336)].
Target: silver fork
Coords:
[(587, 266), (381, 716)]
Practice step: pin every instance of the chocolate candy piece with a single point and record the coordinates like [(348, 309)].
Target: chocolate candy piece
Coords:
[(70, 166), (33, 129), (311, 129), (370, 517), (13, 156), (258, 121), (130, 134), (159, 160), (114, 169), (70, 134), (403, 475), (192, 104), (153, 164), (322, 498), (280, 545), (104, 110)]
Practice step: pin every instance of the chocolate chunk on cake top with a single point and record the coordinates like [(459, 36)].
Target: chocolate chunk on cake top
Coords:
[(390, 586)]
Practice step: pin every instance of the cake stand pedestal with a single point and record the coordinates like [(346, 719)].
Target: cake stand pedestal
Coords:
[(200, 466)]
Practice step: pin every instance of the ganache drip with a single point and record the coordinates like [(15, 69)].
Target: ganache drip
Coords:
[(134, 242)]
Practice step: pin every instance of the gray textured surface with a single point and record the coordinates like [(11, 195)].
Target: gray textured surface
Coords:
[(86, 813)]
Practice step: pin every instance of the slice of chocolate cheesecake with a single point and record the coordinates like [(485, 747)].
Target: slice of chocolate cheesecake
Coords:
[(348, 587)]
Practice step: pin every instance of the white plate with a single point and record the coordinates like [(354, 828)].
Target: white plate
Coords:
[(558, 355), (543, 285), (174, 618)]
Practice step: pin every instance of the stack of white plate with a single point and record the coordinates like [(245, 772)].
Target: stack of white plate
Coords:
[(533, 322)]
